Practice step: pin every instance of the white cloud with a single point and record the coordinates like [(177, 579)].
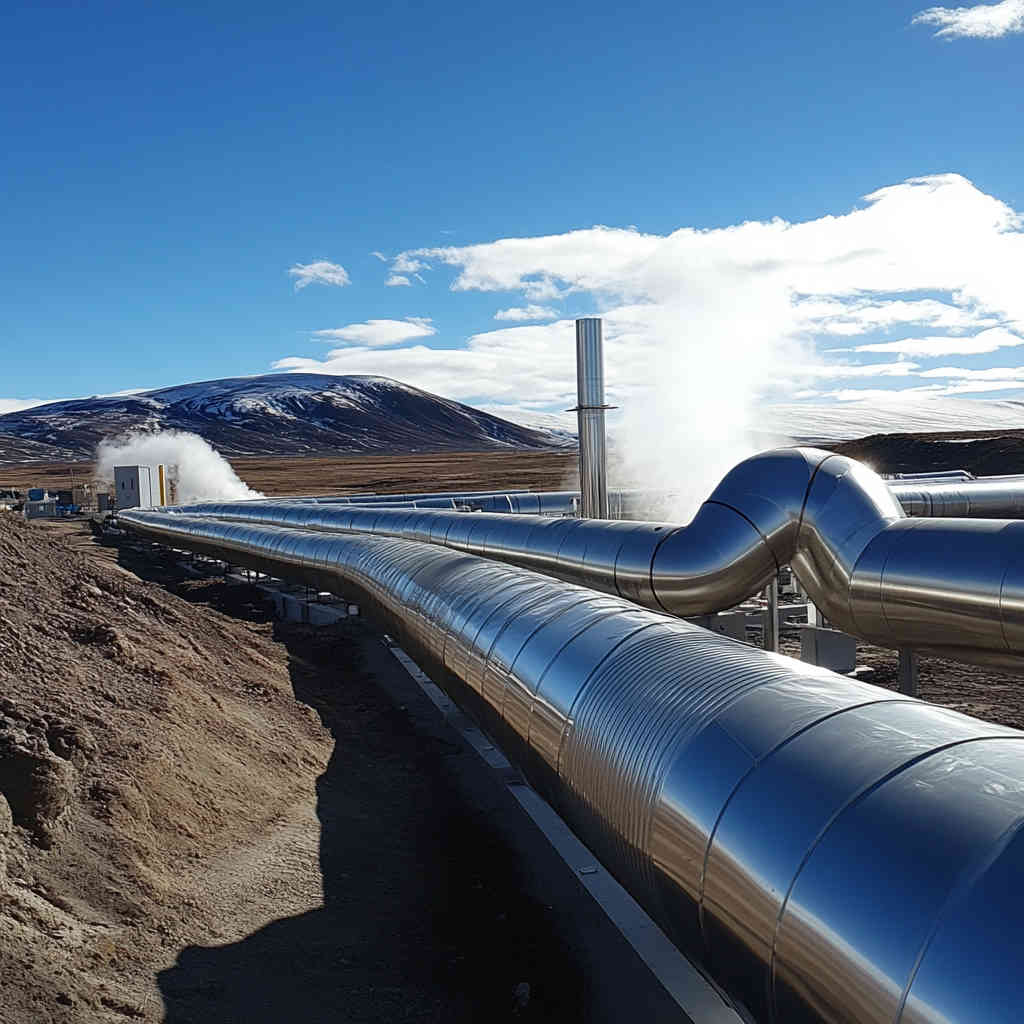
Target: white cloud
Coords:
[(983, 21), (374, 333), (407, 263), (320, 272), (839, 371), (982, 387), (530, 312), (532, 362), (853, 317), (948, 345), (702, 327), (964, 373), (404, 267)]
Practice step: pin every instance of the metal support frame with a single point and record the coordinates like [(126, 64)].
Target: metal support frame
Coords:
[(771, 616), (907, 672)]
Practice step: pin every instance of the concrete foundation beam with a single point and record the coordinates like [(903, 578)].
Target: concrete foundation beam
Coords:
[(828, 648), (732, 624)]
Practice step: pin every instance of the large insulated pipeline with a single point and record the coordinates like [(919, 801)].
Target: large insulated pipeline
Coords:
[(987, 498), (394, 499), (937, 475), (827, 850), (984, 498), (952, 586), (621, 504)]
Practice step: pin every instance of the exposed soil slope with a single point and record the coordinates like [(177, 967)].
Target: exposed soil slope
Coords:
[(138, 735)]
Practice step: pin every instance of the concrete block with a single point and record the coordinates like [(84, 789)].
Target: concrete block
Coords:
[(294, 609), (828, 648), (793, 614), (325, 614), (732, 623)]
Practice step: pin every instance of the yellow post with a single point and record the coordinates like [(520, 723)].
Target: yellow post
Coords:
[(163, 486)]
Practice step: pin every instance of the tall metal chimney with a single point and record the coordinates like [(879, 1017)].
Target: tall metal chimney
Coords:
[(590, 417)]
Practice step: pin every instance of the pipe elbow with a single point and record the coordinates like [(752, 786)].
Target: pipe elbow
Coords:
[(768, 490), (716, 562), (845, 508), (803, 507)]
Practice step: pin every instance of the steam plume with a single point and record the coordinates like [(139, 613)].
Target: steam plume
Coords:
[(197, 470), (698, 376)]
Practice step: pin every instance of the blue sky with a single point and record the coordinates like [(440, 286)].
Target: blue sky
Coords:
[(166, 167)]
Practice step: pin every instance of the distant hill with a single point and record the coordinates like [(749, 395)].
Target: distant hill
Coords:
[(825, 423), (320, 414), (906, 414), (276, 414)]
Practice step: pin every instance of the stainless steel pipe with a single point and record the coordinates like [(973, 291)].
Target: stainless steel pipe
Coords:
[(829, 851), (971, 499), (952, 586), (590, 408), (937, 475), (983, 498), (623, 503)]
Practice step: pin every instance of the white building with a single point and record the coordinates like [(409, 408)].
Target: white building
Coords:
[(137, 486)]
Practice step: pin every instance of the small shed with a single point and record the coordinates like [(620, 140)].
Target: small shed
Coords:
[(136, 486)]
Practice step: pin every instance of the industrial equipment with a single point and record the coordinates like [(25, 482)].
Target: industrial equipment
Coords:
[(952, 586)]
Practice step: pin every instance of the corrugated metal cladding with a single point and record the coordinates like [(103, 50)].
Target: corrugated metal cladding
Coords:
[(828, 850)]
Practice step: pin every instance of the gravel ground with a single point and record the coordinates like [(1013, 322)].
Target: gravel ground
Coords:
[(971, 689)]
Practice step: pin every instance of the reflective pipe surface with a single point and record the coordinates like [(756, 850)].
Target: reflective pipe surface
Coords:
[(590, 409), (372, 499), (622, 504), (827, 850), (997, 497), (389, 499), (969, 499), (953, 586), (939, 475)]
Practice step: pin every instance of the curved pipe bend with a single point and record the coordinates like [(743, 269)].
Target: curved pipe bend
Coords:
[(987, 498), (955, 586)]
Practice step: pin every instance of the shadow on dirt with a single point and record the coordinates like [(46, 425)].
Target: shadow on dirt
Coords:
[(425, 916)]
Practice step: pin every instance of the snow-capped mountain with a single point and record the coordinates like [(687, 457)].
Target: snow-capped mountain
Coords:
[(276, 414), (319, 414), (911, 414), (837, 421)]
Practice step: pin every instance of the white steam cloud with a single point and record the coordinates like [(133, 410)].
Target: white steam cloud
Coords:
[(694, 412), (196, 469)]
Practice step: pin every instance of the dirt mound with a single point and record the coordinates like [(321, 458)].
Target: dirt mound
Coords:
[(36, 775), (138, 736)]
